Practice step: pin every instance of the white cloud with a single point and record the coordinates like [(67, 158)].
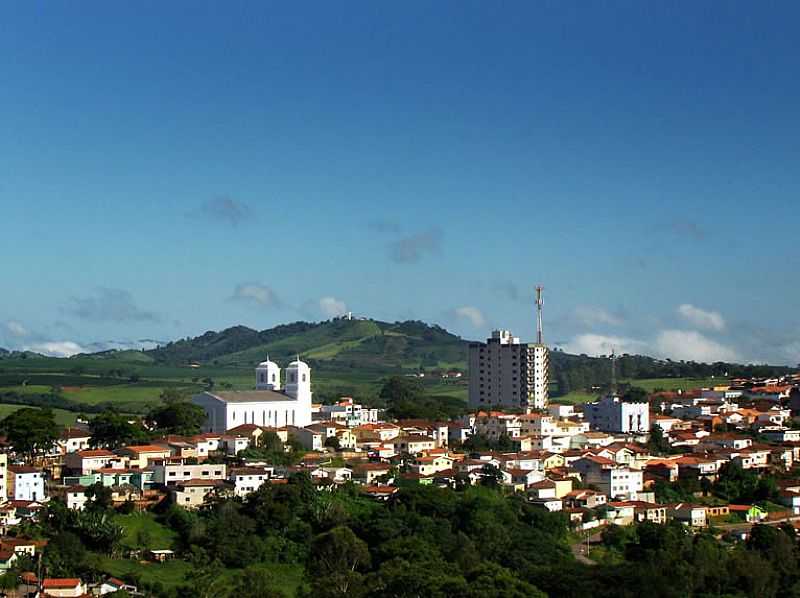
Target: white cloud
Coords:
[(708, 320), (256, 294), (690, 345), (472, 314), (591, 315), (599, 344), (16, 329), (332, 307), (56, 348)]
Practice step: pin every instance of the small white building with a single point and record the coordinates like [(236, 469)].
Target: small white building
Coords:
[(75, 497), (25, 483), (64, 588), (169, 472), (73, 439), (613, 414), (247, 479), (87, 461), (613, 480)]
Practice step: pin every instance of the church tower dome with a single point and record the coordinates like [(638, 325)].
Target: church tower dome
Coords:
[(298, 379), (268, 375)]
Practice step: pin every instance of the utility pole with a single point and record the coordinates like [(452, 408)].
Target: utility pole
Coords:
[(613, 372), (539, 325)]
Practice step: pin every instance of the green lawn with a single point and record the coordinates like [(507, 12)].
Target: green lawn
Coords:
[(64, 418), (649, 384), (575, 397), (170, 574), (652, 384), (125, 396), (174, 573), (142, 531)]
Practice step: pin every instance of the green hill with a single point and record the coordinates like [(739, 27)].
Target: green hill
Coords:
[(346, 344)]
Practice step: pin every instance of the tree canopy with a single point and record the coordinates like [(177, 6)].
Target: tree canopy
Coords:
[(30, 430)]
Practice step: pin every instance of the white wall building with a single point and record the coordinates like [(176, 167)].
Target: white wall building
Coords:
[(268, 405), (247, 479), (349, 413), (170, 473), (504, 372), (25, 483), (613, 480), (612, 414), (3, 477)]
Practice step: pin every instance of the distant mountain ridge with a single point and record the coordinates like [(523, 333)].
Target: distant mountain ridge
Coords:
[(371, 346), (366, 344)]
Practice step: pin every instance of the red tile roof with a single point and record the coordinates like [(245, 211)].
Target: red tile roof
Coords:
[(61, 584)]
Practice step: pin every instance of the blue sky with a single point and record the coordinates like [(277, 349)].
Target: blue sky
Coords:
[(169, 168)]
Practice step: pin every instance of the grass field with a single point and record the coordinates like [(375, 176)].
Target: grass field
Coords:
[(170, 574), (649, 384), (65, 418), (574, 398), (175, 573), (142, 531), (652, 384), (93, 380)]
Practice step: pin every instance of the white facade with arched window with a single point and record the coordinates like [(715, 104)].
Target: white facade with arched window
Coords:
[(266, 406)]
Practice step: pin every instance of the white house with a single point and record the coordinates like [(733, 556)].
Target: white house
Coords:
[(73, 439), (64, 588), (247, 479), (613, 414), (615, 481), (75, 497), (25, 483), (267, 405), (87, 461), (169, 473)]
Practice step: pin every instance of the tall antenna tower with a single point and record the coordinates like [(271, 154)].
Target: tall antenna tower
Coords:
[(539, 326), (613, 371)]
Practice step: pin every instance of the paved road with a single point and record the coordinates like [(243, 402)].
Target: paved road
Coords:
[(579, 550), (748, 525)]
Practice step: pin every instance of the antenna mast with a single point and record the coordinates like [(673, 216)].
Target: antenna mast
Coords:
[(539, 327), (613, 371)]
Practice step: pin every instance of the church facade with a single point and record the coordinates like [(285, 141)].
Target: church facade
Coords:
[(269, 405)]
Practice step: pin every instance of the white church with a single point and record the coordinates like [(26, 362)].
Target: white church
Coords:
[(267, 405)]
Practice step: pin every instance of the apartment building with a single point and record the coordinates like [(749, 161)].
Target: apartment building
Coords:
[(505, 372)]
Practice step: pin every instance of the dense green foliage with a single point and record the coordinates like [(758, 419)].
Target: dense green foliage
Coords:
[(426, 541), (30, 430), (112, 429), (404, 398), (669, 561)]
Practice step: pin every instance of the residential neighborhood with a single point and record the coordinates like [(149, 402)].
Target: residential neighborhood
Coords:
[(618, 461)]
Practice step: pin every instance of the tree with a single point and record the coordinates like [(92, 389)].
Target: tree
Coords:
[(490, 580), (270, 442), (30, 430), (333, 442), (657, 443), (112, 429), (172, 394), (254, 582), (100, 496), (491, 476), (65, 555), (178, 417), (401, 388), (337, 556)]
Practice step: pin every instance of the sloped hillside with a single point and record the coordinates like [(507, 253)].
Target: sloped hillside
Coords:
[(363, 344)]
